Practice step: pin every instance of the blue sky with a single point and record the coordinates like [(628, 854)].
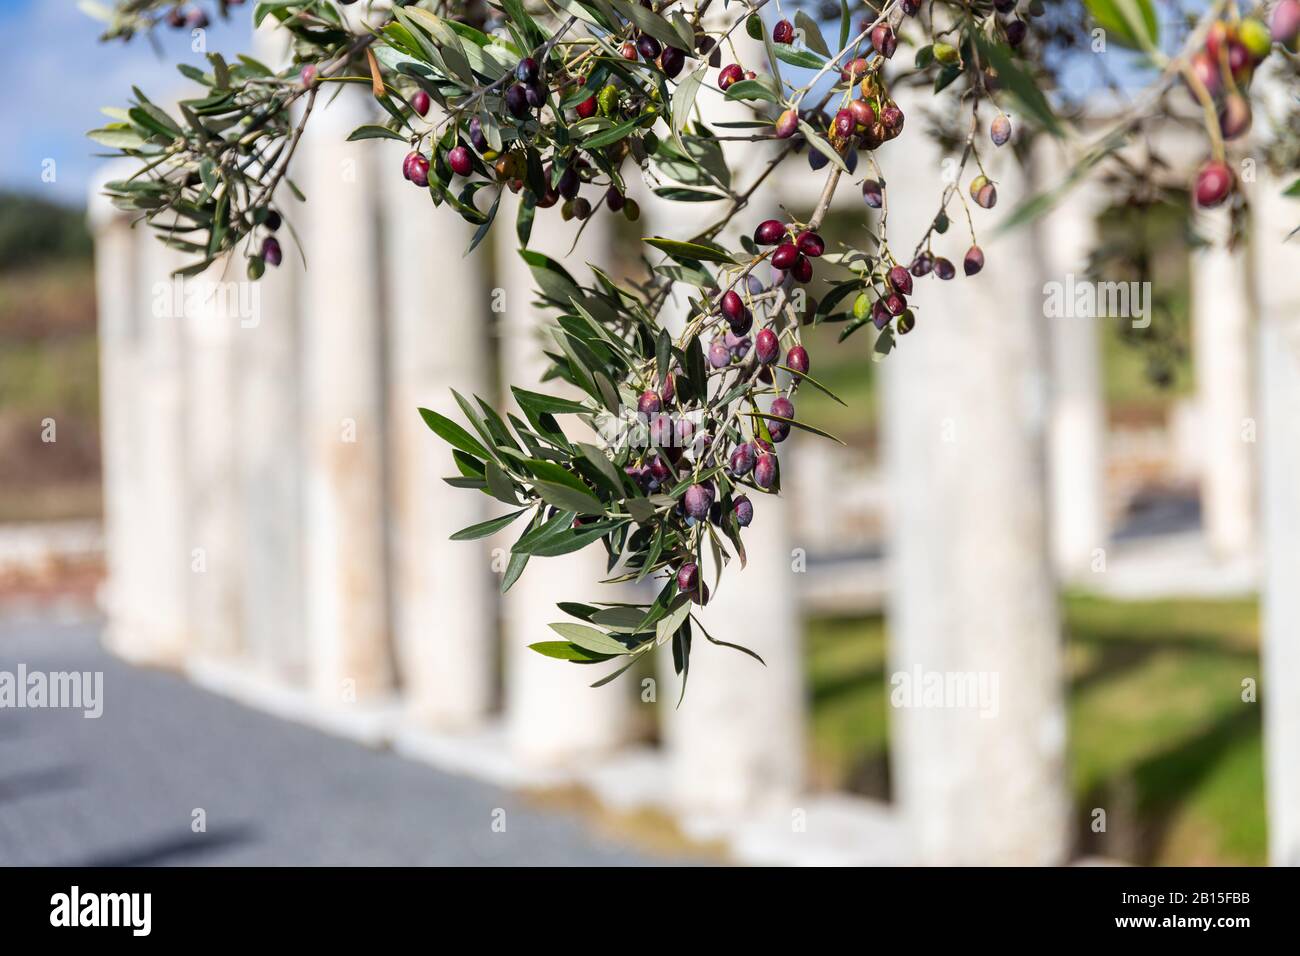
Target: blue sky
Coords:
[(56, 75)]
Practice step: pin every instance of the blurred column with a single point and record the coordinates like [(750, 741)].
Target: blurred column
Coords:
[(212, 318), (343, 426), (1278, 265), (980, 778), (119, 299), (735, 744), (269, 415), (553, 715), (271, 468), (163, 545), (445, 616), (1076, 434), (1221, 298)]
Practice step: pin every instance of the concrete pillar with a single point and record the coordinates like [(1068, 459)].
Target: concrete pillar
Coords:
[(1278, 264), (553, 716), (1221, 306), (212, 320), (118, 304), (980, 776), (444, 591), (343, 422), (1076, 432)]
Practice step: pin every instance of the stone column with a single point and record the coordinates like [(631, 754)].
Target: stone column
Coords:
[(269, 357), (1278, 264), (1220, 323), (271, 450), (979, 775), (553, 716), (212, 319), (119, 301), (343, 427), (163, 549), (1077, 419), (736, 743), (445, 609)]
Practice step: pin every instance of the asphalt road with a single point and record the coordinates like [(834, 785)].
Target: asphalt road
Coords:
[(128, 787)]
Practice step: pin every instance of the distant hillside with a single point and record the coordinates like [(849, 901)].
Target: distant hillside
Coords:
[(34, 230)]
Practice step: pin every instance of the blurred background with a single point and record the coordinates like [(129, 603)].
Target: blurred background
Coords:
[(1159, 609)]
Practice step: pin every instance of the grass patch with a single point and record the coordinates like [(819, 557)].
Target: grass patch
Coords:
[(1159, 735)]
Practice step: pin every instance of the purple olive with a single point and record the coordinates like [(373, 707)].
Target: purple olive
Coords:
[(810, 244), (738, 344), (743, 324), (458, 158), (671, 61), (742, 459), (796, 360), (476, 137), (271, 251), (719, 354), (879, 314), (697, 501), (769, 232), (743, 509), (782, 407), (785, 256), (1000, 130), (527, 70), (517, 101), (733, 308), (900, 280)]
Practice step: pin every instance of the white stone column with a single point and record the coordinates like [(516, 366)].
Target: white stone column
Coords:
[(553, 716), (444, 591), (1076, 433), (1277, 265), (343, 423), (118, 301), (1221, 304), (162, 550), (271, 447), (736, 743), (972, 593), (212, 458), (270, 423)]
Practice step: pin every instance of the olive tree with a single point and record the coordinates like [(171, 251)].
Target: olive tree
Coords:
[(562, 101)]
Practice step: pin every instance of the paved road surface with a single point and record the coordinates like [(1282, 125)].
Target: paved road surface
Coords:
[(122, 789)]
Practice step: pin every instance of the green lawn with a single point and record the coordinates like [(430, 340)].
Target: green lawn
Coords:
[(1159, 735)]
